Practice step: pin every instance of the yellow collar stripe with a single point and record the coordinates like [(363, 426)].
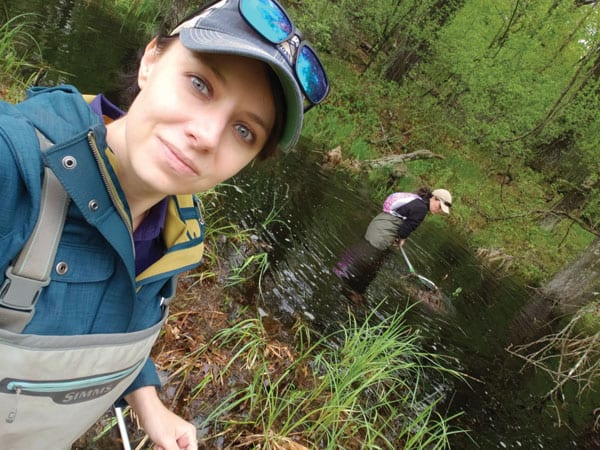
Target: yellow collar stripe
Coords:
[(183, 237)]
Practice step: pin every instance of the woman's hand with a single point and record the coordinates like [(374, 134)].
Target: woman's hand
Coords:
[(166, 429)]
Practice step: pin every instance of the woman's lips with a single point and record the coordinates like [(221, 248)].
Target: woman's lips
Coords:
[(178, 161)]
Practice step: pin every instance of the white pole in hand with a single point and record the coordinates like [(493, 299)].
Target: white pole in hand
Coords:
[(122, 428)]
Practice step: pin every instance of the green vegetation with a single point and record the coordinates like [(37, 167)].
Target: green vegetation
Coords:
[(362, 386), (512, 116), (145, 15), (18, 71), (505, 93), (247, 261)]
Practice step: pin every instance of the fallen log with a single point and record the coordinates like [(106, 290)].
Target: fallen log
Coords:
[(392, 160)]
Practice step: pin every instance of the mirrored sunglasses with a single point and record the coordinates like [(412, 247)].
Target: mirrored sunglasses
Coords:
[(271, 21)]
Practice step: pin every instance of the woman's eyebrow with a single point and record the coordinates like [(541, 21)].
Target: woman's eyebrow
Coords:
[(211, 66), (260, 122), (218, 74)]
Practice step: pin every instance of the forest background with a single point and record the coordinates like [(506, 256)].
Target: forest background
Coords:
[(504, 93)]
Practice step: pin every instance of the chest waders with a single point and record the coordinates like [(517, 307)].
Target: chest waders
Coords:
[(383, 229), (54, 388)]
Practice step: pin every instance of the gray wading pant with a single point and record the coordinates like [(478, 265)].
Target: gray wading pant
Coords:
[(383, 230), (359, 265), (53, 388)]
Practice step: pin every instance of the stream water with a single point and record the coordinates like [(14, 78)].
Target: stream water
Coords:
[(308, 217)]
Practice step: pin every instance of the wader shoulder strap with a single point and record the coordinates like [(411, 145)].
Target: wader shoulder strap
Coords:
[(30, 272)]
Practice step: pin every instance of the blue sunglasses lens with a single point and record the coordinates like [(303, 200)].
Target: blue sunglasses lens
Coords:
[(311, 75), (273, 24), (268, 19)]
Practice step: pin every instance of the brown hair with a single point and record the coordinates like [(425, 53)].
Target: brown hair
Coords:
[(424, 193)]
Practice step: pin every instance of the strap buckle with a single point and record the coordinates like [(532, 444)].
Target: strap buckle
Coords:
[(19, 292)]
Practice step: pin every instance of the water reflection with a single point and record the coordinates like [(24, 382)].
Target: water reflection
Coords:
[(82, 41)]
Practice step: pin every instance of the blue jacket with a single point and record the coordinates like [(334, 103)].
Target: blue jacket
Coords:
[(99, 293)]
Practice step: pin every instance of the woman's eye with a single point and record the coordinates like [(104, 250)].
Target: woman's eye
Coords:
[(200, 85), (245, 133)]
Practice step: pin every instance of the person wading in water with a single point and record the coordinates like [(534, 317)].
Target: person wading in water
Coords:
[(402, 213)]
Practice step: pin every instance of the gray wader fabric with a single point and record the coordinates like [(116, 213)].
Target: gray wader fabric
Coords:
[(383, 231), (53, 388), (30, 273)]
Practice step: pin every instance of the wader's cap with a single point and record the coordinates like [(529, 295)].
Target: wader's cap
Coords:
[(445, 199), (221, 29)]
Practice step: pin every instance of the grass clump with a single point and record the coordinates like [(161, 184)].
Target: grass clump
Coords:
[(231, 255), (19, 70), (360, 387)]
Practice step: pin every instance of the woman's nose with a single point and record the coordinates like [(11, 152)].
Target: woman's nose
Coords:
[(205, 133)]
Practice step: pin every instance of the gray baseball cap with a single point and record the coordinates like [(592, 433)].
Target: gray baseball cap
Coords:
[(221, 29)]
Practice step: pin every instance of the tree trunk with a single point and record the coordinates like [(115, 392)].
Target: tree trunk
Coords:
[(571, 288), (576, 284), (392, 160)]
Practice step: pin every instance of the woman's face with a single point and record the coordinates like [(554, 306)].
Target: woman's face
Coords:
[(197, 121), (435, 205)]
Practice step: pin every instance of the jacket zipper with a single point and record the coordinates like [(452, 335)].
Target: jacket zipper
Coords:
[(107, 185), (115, 198)]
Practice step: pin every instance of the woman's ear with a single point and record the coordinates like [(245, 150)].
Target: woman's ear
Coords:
[(147, 62)]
